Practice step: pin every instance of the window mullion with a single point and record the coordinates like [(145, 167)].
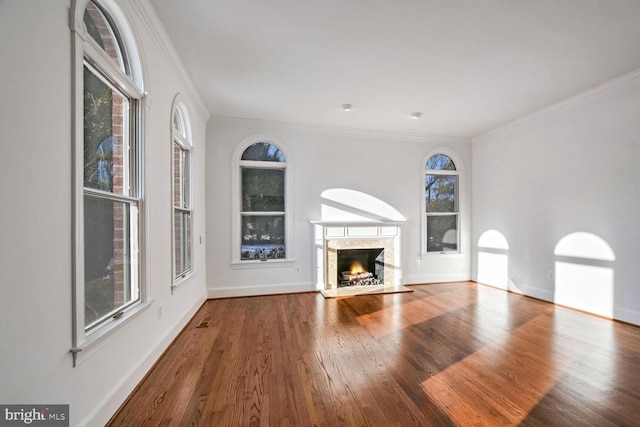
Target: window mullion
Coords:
[(440, 172), (110, 196), (100, 60), (181, 140), (262, 164), (262, 213)]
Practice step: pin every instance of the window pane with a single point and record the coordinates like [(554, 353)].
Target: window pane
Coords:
[(441, 162), (442, 233), (263, 151), (181, 191), (440, 193), (186, 179), (181, 177), (106, 115), (109, 230), (182, 228), (101, 30), (262, 190), (262, 237), (178, 124)]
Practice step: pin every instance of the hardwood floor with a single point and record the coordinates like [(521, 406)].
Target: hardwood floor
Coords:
[(446, 354)]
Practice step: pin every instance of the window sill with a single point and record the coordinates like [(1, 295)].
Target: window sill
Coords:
[(96, 340), (178, 282), (274, 263), (445, 255)]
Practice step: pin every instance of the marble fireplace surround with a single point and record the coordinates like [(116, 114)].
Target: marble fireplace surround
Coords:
[(333, 236)]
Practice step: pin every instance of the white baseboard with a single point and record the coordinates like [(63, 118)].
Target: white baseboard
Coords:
[(626, 315), (254, 290), (105, 410), (538, 293), (415, 279), (621, 314)]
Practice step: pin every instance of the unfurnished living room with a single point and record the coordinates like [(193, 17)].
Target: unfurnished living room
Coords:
[(303, 213)]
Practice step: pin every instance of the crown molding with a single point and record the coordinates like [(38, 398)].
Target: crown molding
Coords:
[(148, 16), (338, 130), (569, 103)]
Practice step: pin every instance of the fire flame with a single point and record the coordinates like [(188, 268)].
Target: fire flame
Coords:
[(356, 268)]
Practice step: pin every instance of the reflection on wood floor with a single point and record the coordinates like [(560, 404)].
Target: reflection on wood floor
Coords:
[(445, 354)]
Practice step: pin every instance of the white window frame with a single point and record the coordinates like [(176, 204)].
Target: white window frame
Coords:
[(459, 172), (236, 188), (86, 52), (183, 139)]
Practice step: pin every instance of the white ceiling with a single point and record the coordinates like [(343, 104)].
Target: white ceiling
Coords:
[(467, 65)]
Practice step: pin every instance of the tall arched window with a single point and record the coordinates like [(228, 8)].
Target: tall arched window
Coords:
[(181, 186), (108, 180), (263, 219), (441, 218)]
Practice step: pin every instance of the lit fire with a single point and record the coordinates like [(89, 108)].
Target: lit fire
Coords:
[(358, 275), (357, 268)]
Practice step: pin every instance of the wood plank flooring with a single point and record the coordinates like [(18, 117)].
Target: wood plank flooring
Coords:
[(444, 355)]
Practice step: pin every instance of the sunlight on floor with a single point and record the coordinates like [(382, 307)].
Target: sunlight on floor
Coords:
[(400, 316), (481, 382)]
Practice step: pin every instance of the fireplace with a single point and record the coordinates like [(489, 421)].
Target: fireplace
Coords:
[(375, 246), (360, 267)]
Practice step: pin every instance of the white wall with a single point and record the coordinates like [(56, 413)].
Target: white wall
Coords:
[(385, 166), (36, 225), (572, 168)]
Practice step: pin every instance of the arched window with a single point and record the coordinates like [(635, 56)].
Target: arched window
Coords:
[(263, 220), (101, 29), (181, 186), (440, 218), (108, 182)]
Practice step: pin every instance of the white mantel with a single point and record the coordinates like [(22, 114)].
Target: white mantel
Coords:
[(350, 229)]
